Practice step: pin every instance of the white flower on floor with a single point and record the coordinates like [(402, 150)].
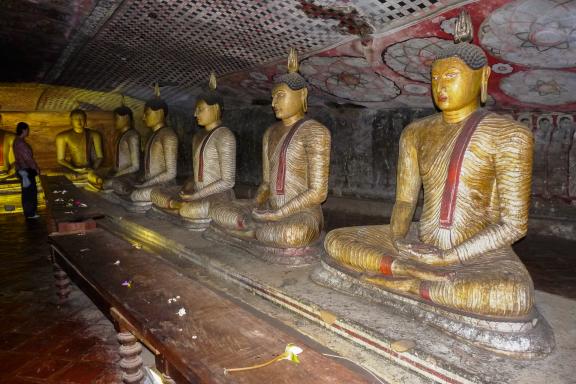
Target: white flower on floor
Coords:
[(181, 312)]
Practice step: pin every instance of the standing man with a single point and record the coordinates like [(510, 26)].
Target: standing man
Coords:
[(27, 169)]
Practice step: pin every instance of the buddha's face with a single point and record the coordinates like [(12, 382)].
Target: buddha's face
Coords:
[(206, 114), (455, 85), (78, 122), (121, 121), (153, 118), (287, 102)]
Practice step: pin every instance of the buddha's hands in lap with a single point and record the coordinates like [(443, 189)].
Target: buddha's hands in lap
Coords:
[(425, 253), (186, 196), (265, 215), (81, 170)]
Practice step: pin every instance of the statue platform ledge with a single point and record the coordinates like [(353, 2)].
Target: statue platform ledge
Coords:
[(282, 256), (196, 225), (129, 205)]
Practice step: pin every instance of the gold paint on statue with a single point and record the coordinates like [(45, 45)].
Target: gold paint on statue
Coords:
[(286, 212), (7, 160), (80, 150), (460, 257), (214, 162)]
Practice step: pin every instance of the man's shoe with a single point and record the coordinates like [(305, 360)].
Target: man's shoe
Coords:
[(36, 216)]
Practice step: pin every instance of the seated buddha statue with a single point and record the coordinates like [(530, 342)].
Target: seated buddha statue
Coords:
[(286, 215), (126, 153), (214, 166), (160, 156), (475, 168), (7, 159), (79, 150)]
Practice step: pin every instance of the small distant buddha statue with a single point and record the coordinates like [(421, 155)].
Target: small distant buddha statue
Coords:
[(7, 159), (475, 168), (80, 150), (126, 153), (160, 153), (214, 164), (286, 215)]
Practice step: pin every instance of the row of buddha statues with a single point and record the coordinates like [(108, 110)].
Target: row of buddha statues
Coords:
[(474, 167)]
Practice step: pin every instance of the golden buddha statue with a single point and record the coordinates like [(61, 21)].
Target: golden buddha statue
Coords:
[(126, 154), (160, 155), (286, 215), (7, 159), (475, 168), (214, 164), (80, 150)]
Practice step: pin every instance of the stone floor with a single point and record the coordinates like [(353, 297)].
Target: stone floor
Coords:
[(41, 342)]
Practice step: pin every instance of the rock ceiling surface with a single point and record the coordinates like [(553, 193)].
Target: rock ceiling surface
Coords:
[(375, 53)]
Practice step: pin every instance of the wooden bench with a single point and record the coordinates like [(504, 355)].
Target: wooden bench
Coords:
[(215, 333)]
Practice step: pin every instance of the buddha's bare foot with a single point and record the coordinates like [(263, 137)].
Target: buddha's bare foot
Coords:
[(405, 285), (401, 269)]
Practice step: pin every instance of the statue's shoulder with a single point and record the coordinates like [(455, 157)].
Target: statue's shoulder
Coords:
[(224, 131), (93, 132), (503, 126), (64, 134), (417, 127), (168, 131), (313, 125)]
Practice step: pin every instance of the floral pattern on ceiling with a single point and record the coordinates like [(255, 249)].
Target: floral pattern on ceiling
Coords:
[(412, 58), (534, 33), (541, 86), (349, 78)]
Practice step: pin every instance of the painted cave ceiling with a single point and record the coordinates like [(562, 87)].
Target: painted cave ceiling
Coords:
[(374, 53)]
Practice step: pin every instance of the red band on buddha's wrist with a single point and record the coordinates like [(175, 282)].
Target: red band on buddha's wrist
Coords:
[(425, 290), (386, 265)]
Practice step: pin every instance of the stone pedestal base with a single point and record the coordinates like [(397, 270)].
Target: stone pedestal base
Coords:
[(197, 225), (526, 337), (129, 205), (285, 256)]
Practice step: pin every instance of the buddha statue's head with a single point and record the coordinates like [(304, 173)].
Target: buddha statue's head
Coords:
[(123, 118), (155, 111), (78, 120), (209, 105), (290, 93), (460, 72)]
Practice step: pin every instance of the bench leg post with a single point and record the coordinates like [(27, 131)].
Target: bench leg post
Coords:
[(131, 362), (62, 283)]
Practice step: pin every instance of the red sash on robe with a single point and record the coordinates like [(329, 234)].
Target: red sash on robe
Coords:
[(201, 155), (454, 169), (117, 154), (281, 177), (148, 146)]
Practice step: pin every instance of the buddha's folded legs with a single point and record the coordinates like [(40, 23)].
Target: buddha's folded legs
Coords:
[(296, 231), (232, 215), (121, 185), (195, 209), (141, 194), (162, 196), (360, 248), (496, 284)]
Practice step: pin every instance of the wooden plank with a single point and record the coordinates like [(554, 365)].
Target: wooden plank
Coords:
[(215, 333)]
